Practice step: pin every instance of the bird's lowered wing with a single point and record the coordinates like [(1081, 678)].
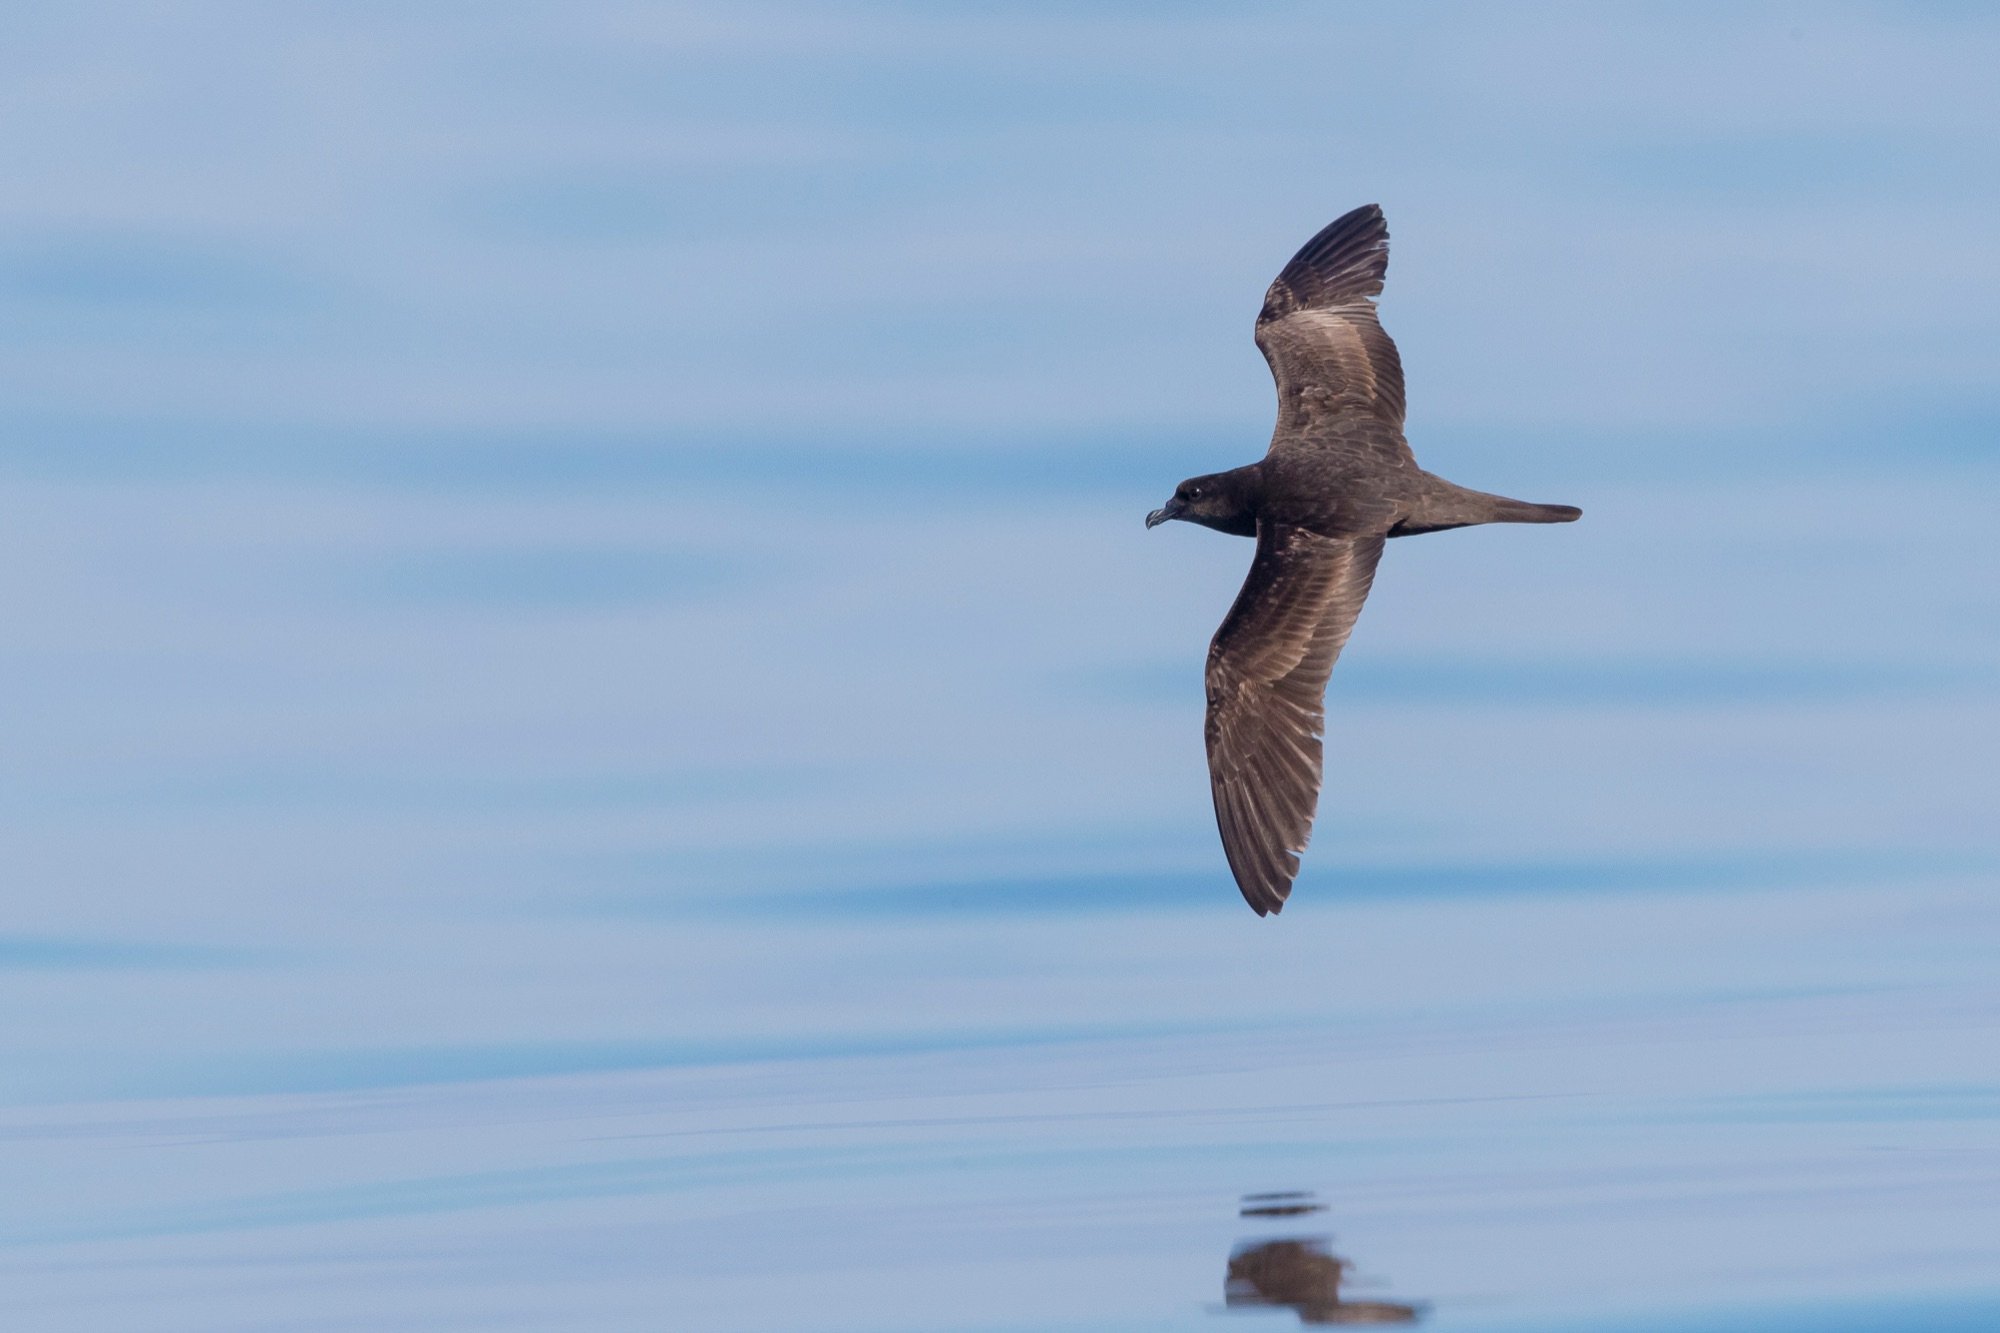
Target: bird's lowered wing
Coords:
[(1267, 671), (1318, 329)]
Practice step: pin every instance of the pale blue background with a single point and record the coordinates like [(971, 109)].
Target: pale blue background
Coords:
[(592, 738)]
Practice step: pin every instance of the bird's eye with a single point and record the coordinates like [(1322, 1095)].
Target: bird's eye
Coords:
[(1194, 492)]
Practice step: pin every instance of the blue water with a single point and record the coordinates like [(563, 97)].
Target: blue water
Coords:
[(592, 738)]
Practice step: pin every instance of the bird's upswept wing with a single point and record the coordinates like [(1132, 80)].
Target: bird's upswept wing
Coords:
[(1318, 330), (1267, 673)]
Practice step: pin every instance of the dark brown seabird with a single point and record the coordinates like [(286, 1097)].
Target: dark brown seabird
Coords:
[(1338, 481)]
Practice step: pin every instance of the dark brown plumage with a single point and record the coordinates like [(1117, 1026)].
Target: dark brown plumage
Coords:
[(1304, 1276), (1337, 481)]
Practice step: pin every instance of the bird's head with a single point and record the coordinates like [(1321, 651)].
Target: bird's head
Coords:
[(1223, 501)]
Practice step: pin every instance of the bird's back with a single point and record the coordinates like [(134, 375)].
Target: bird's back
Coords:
[(1345, 477)]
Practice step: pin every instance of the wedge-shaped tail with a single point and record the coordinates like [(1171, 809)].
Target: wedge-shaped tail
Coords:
[(1444, 505)]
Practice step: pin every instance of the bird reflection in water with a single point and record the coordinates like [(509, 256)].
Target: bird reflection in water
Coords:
[(1300, 1274)]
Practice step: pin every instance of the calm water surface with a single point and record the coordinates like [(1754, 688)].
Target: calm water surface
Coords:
[(590, 738), (1509, 1115)]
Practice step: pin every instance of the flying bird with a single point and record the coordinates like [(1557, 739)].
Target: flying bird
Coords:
[(1337, 481)]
